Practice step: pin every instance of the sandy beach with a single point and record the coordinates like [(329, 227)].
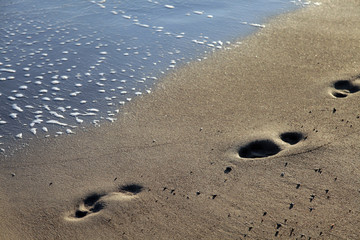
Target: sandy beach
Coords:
[(259, 141)]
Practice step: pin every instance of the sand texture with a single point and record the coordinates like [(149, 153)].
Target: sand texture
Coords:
[(257, 142)]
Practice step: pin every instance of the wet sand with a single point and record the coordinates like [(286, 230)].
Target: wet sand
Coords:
[(259, 142)]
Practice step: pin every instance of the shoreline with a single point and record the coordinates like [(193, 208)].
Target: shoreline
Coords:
[(187, 50), (169, 167)]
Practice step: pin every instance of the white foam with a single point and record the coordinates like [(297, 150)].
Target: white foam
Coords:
[(69, 131), (89, 114), (17, 108), (47, 107), (111, 119), (33, 130), (7, 70), (256, 25), (56, 114), (92, 110), (198, 12), (56, 123), (37, 120), (19, 95), (20, 135), (79, 120), (74, 114), (62, 109), (13, 115), (74, 94), (169, 6)]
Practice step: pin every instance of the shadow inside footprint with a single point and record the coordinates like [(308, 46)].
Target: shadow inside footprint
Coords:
[(91, 204), (92, 199), (131, 188), (339, 95), (80, 214), (259, 149), (345, 87), (292, 137)]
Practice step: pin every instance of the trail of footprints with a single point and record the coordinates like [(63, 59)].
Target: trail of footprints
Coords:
[(95, 202), (267, 147), (344, 88)]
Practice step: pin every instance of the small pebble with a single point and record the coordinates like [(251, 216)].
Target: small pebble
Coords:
[(227, 170)]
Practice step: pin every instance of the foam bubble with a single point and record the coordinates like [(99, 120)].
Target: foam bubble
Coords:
[(56, 122), (56, 114), (79, 120), (19, 95), (92, 110), (13, 115), (7, 70), (33, 130), (11, 98), (20, 136), (17, 108), (69, 131), (198, 12)]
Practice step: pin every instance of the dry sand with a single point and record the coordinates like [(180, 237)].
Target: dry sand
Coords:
[(286, 99)]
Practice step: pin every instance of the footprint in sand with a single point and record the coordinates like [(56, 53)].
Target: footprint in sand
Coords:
[(344, 88), (267, 147), (94, 203)]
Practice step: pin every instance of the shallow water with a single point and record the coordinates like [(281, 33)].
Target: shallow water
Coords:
[(66, 64)]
